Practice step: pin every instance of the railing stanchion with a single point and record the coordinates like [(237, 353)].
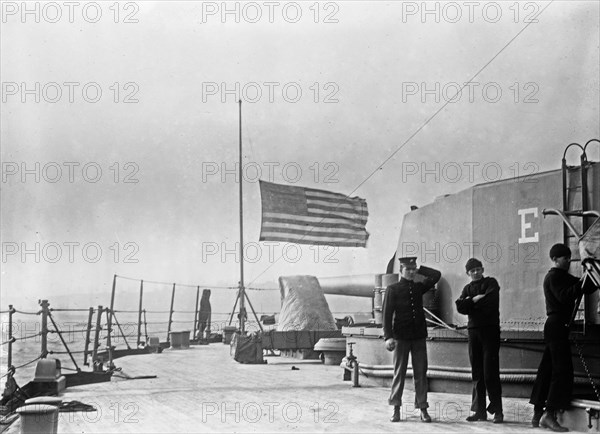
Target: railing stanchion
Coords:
[(11, 311), (139, 334), (44, 304), (171, 315), (87, 336), (97, 336), (196, 319), (109, 339)]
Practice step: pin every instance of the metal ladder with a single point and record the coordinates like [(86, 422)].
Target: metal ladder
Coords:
[(575, 194)]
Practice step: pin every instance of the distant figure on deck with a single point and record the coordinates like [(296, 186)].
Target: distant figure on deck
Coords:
[(480, 299), (204, 315), (554, 381), (405, 330)]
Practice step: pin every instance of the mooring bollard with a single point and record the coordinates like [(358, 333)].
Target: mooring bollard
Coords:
[(38, 419)]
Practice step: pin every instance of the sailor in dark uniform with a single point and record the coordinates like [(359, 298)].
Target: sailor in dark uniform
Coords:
[(554, 381), (405, 330), (480, 299)]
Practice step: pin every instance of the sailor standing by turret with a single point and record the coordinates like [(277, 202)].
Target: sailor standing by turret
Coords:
[(554, 381), (405, 330), (480, 299)]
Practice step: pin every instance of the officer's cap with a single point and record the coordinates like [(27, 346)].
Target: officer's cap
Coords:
[(408, 261)]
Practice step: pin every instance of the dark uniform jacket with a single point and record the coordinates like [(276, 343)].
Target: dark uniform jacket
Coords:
[(403, 316), (561, 290), (486, 312)]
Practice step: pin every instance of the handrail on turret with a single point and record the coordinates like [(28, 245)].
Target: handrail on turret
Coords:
[(564, 215), (567, 148), (586, 145)]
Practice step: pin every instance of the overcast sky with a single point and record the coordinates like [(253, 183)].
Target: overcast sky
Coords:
[(347, 96)]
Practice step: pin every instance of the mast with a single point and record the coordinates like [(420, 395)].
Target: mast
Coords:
[(241, 295)]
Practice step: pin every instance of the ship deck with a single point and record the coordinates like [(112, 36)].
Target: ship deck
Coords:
[(202, 389)]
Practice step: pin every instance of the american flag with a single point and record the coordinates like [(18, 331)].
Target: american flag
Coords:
[(310, 216)]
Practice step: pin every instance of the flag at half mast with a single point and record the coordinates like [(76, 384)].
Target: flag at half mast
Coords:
[(310, 216)]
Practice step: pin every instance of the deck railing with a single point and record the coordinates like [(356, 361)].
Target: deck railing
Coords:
[(102, 329)]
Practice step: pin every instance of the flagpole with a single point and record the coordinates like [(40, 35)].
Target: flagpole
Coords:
[(241, 294)]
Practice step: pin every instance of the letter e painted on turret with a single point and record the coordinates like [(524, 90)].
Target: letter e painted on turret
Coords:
[(527, 225)]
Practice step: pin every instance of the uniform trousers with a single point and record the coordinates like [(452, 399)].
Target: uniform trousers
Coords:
[(554, 381), (418, 351), (484, 348)]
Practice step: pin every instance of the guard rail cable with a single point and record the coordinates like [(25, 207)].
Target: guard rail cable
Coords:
[(46, 313)]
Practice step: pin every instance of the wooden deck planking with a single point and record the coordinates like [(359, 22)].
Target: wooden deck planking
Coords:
[(203, 390)]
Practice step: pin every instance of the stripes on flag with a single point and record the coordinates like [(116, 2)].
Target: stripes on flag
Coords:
[(310, 216)]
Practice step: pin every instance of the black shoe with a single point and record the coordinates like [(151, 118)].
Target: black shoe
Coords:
[(425, 416), (535, 420), (477, 417), (549, 421), (498, 417), (396, 416)]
